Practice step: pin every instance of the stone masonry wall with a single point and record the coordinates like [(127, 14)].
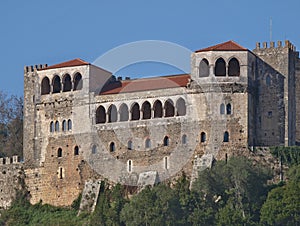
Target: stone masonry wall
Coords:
[(11, 180)]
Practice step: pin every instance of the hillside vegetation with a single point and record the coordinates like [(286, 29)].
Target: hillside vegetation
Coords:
[(230, 193)]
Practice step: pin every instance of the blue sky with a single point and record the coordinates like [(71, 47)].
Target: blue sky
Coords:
[(38, 32)]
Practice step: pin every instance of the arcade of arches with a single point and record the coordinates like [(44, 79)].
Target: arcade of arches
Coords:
[(137, 112)]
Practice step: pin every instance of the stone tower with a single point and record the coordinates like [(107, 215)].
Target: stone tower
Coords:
[(283, 59), (31, 92)]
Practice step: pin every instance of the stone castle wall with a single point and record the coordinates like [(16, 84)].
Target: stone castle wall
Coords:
[(11, 180), (57, 162)]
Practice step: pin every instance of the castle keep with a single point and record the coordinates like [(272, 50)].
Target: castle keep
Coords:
[(83, 123)]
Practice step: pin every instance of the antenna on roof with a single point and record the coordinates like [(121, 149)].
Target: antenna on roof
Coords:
[(270, 29)]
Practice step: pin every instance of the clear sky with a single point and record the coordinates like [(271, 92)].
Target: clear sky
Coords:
[(38, 32)]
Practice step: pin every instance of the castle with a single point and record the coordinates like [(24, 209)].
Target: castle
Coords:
[(82, 123)]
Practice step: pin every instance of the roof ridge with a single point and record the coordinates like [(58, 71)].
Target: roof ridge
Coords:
[(225, 46), (69, 63)]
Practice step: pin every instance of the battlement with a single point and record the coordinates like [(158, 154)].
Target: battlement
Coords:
[(287, 44), (9, 160), (34, 67)]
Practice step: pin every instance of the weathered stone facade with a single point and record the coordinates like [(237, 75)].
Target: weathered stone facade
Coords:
[(81, 123), (11, 180)]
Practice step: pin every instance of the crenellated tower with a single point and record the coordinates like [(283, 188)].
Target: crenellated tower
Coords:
[(283, 59), (31, 91)]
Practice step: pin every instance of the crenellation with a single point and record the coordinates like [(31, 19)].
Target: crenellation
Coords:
[(10, 160)]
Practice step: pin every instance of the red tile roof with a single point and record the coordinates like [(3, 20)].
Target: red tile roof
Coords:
[(144, 84), (70, 63), (226, 46)]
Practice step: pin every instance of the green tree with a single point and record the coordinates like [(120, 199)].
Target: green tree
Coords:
[(11, 125), (153, 206), (237, 186), (282, 206)]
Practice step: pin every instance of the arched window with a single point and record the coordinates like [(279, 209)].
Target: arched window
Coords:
[(166, 164), (204, 68), (56, 84), (129, 145), (69, 124), (148, 143), (67, 83), (203, 137), (135, 112), (228, 109), (184, 139), (222, 109), (77, 81), (51, 127), (268, 80), (181, 108), (226, 137), (45, 86), (59, 152), (94, 149), (57, 126), (112, 113), (220, 67), (76, 150), (64, 125), (124, 114), (166, 141), (100, 115), (158, 110), (234, 67), (112, 147), (146, 109), (169, 108), (129, 166)]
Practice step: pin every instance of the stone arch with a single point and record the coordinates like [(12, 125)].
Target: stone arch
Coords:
[(135, 112), (45, 86), (222, 109), (112, 147), (226, 137), (166, 141), (57, 126), (234, 67), (78, 83), (59, 152), (158, 110), (228, 109), (220, 67), (51, 127), (112, 113), (204, 68), (181, 107), (100, 115), (129, 145), (64, 126), (203, 137), (124, 113), (146, 109), (147, 143), (69, 124), (76, 150), (94, 149), (56, 83), (67, 81), (169, 108)]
